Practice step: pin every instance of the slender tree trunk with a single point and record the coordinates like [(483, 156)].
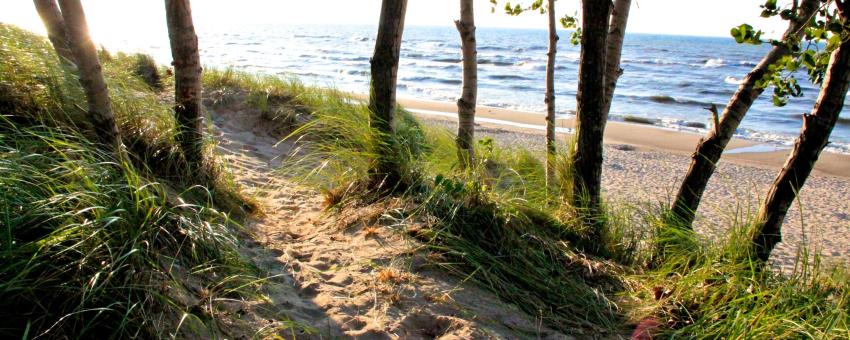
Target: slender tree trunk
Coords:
[(382, 98), (590, 119), (187, 80), (814, 136), (49, 12), (90, 73), (710, 148), (469, 95), (616, 34), (550, 97)]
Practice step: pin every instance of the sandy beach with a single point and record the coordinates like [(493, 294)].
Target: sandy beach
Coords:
[(644, 165), (642, 137)]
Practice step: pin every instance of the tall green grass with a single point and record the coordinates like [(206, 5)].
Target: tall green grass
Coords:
[(36, 88), (92, 246), (713, 290)]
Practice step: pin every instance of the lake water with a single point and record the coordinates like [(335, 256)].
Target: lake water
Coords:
[(669, 79)]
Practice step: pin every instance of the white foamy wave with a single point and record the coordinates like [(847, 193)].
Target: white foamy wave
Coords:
[(657, 61), (526, 65), (714, 63), (681, 125), (732, 80)]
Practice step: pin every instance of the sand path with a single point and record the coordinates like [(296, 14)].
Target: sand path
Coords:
[(345, 276)]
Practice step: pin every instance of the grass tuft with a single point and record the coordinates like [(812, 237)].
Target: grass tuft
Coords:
[(91, 246)]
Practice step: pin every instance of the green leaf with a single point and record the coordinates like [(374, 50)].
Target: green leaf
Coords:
[(569, 22), (538, 4), (745, 33), (770, 5), (809, 58), (575, 37)]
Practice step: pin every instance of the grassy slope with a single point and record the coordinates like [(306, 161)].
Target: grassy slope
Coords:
[(91, 246), (495, 225)]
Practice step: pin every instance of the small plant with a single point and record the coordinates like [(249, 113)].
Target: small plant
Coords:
[(146, 69)]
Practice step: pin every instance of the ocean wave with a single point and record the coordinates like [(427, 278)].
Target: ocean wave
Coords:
[(532, 66), (522, 87), (714, 63), (507, 77), (344, 58), (732, 80), (656, 61), (716, 92), (493, 48), (357, 72), (434, 79), (664, 99), (313, 36), (494, 62), (447, 60), (303, 74)]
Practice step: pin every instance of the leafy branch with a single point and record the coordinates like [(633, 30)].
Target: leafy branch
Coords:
[(824, 31), (570, 22)]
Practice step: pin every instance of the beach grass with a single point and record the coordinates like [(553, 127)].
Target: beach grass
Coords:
[(98, 247), (93, 246)]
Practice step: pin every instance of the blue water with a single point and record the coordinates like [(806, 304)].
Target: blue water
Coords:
[(668, 78)]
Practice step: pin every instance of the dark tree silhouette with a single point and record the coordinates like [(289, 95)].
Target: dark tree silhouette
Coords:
[(814, 136), (590, 115), (382, 97), (710, 148), (187, 81), (90, 73), (50, 14)]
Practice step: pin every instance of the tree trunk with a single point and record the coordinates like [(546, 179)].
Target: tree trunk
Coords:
[(590, 120), (187, 80), (616, 34), (469, 95), (90, 73), (49, 12), (382, 101), (550, 97), (814, 136), (710, 149)]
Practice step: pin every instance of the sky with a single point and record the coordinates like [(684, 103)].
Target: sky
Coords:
[(136, 17)]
